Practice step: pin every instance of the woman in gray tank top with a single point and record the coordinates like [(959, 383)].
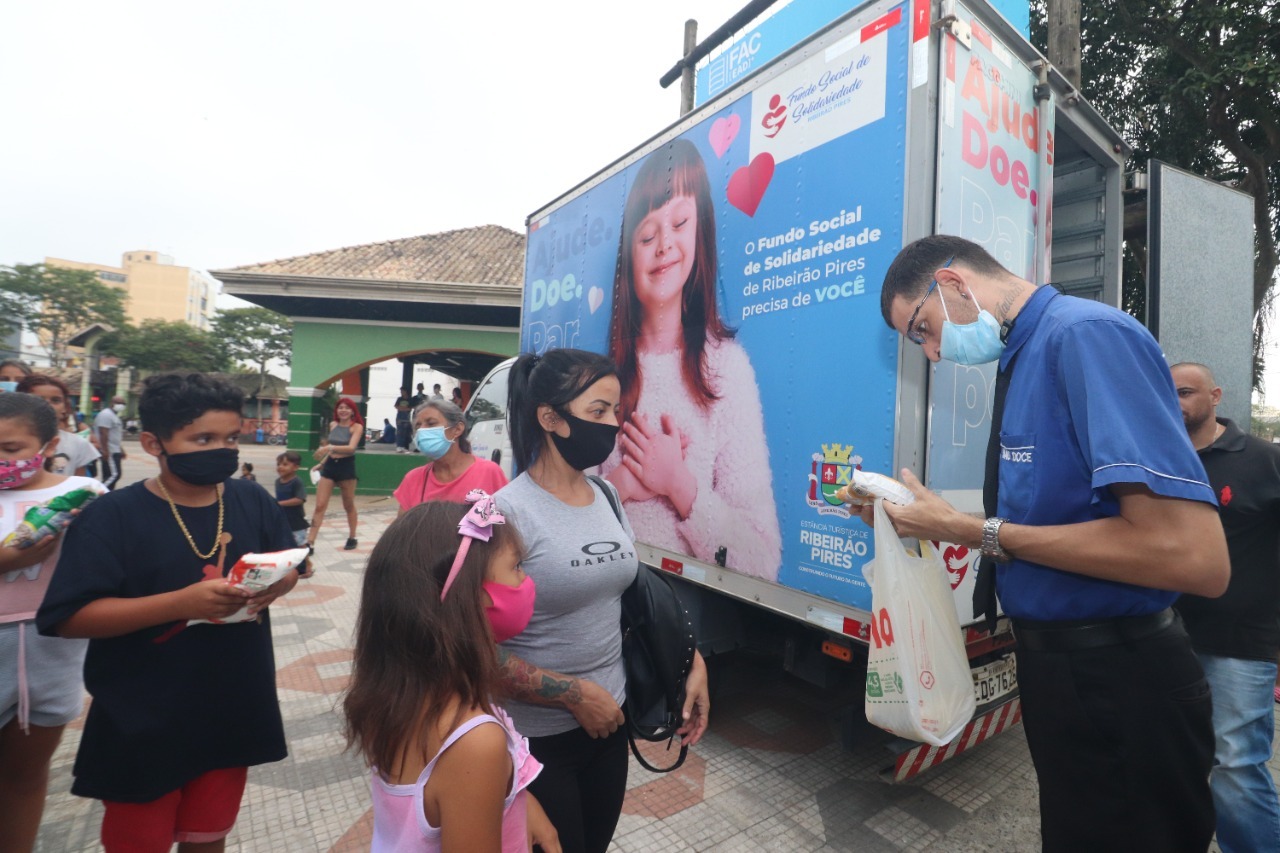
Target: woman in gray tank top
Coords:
[(338, 467)]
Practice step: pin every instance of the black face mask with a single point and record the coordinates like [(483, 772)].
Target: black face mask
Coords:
[(589, 443), (204, 467)]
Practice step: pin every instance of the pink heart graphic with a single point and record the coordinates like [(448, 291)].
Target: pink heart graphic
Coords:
[(957, 559), (595, 297), (723, 132), (748, 184)]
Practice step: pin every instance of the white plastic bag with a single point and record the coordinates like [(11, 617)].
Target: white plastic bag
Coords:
[(918, 680), (256, 572)]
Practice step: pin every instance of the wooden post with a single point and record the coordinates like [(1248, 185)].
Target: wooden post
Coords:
[(1064, 38), (686, 75)]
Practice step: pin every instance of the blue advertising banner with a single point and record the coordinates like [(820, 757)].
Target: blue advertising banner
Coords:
[(788, 26), (734, 273)]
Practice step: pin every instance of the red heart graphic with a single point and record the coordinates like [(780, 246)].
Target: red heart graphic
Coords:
[(748, 184), (957, 559)]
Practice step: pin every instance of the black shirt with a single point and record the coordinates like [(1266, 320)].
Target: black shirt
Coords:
[(288, 491), (1245, 622), (169, 702)]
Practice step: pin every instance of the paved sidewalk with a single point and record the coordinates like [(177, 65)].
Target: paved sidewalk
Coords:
[(771, 774)]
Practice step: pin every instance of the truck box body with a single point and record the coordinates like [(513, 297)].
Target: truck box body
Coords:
[(882, 128)]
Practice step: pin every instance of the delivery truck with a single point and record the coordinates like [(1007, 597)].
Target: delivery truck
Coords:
[(732, 265)]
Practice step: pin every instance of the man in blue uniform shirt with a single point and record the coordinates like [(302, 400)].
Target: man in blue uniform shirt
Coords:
[(1100, 514)]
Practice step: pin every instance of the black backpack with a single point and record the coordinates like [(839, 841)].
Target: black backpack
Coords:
[(658, 645)]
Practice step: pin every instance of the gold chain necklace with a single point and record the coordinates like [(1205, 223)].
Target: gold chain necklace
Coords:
[(217, 539)]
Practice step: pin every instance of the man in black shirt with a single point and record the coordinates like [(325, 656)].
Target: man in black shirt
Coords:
[(1237, 636), (404, 414)]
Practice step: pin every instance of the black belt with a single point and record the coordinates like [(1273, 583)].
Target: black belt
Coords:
[(1087, 633)]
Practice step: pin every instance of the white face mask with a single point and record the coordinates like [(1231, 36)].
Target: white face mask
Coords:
[(117, 407)]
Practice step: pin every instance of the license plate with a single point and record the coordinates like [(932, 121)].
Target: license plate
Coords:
[(994, 680)]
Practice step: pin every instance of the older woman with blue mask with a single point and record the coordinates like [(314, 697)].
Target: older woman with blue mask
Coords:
[(452, 470)]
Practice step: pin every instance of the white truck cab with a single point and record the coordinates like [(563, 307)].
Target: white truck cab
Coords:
[(486, 416)]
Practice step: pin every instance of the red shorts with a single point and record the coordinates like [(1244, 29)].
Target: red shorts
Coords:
[(204, 809)]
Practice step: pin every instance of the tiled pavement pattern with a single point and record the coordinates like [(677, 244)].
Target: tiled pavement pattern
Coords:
[(770, 775)]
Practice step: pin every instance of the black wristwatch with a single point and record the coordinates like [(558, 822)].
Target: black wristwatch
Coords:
[(991, 540)]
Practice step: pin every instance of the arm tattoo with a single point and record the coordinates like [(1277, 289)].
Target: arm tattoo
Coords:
[(528, 683)]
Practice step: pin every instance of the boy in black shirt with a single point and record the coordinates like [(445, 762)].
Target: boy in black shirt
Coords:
[(179, 711), (291, 495)]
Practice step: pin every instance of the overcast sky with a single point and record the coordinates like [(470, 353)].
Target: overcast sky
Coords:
[(237, 132)]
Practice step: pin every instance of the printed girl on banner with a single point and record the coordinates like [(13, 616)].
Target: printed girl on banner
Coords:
[(691, 462)]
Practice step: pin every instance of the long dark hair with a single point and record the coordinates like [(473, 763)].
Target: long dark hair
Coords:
[(38, 380), (674, 169), (555, 379), (415, 653)]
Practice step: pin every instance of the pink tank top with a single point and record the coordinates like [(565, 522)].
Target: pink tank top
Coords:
[(400, 824)]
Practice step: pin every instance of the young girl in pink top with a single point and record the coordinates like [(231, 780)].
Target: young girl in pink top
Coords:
[(41, 688), (449, 771)]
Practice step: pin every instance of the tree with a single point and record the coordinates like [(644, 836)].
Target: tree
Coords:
[(1195, 83), (161, 345), (55, 303), (254, 337)]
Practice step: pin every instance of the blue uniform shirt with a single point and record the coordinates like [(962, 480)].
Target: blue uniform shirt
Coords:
[(1091, 403)]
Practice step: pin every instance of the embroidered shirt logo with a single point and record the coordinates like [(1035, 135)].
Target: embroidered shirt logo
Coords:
[(1225, 497), (1016, 454)]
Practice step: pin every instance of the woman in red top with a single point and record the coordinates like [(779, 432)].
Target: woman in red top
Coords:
[(440, 433)]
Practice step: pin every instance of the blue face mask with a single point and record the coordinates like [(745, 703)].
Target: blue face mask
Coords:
[(973, 343), (432, 442)]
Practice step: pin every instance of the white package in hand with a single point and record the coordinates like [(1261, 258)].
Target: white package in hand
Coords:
[(256, 572), (918, 681)]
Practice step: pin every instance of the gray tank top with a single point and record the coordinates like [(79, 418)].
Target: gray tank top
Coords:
[(339, 434)]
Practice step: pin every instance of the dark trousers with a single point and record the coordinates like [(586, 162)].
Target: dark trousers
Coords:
[(581, 786), (111, 469), (1122, 741), (404, 435)]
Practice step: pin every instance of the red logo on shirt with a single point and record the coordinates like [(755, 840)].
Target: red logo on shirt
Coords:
[(1225, 497)]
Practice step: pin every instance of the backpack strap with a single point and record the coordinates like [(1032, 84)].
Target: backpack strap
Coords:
[(631, 737), (608, 495)]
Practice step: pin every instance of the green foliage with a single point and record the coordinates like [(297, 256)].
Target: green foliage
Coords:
[(161, 345), (254, 336), (1265, 423), (55, 303), (1195, 83)]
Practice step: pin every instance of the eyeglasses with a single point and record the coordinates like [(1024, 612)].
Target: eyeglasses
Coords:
[(913, 335)]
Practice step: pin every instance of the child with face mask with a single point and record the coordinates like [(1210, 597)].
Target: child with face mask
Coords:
[(449, 770), (179, 712), (452, 471), (41, 689)]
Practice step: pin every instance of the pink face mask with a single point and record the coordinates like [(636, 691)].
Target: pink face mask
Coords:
[(512, 607), (15, 472)]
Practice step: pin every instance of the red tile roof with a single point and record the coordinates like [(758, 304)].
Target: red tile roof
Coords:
[(486, 254)]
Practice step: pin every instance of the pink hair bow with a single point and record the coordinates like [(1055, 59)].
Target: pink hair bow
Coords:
[(476, 524)]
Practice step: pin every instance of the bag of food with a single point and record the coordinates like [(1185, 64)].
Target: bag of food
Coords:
[(256, 572), (49, 518), (918, 681)]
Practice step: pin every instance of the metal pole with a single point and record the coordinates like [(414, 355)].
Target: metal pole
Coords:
[(686, 73), (1064, 38)]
